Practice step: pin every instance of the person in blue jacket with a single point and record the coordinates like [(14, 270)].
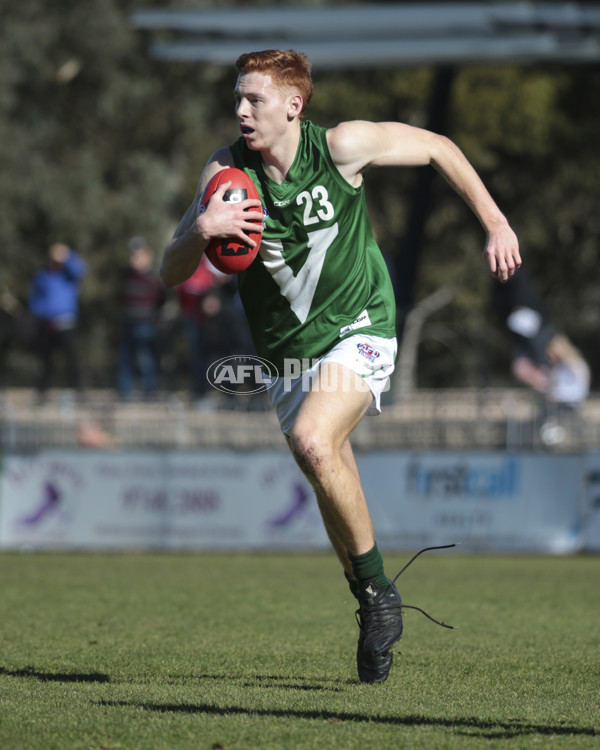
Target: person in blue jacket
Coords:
[(54, 303)]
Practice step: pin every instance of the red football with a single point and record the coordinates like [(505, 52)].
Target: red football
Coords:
[(230, 255)]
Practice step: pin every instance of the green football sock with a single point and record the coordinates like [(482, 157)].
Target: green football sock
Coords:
[(369, 566), (353, 583)]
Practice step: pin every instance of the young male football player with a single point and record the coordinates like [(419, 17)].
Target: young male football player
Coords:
[(319, 292)]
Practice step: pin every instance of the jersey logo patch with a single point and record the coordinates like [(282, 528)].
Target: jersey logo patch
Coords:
[(362, 321), (367, 351)]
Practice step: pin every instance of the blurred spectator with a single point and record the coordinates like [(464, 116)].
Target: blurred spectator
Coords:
[(10, 312), (567, 387), (197, 312), (569, 378), (228, 334), (542, 358), (142, 295), (54, 303), (526, 321)]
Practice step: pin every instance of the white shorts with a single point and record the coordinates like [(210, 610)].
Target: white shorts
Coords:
[(372, 358)]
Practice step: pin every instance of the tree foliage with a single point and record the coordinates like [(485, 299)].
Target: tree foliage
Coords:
[(98, 142)]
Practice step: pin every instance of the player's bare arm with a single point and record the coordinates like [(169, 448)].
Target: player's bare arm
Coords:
[(220, 219), (357, 145)]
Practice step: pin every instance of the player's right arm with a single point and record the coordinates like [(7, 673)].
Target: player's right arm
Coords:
[(220, 219)]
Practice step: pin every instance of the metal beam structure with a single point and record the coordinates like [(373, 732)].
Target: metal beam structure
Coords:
[(380, 35)]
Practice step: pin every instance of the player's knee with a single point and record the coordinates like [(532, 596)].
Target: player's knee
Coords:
[(311, 451)]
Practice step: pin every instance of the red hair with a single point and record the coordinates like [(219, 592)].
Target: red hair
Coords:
[(287, 68)]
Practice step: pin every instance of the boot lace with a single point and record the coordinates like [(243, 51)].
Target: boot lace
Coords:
[(380, 618), (418, 609)]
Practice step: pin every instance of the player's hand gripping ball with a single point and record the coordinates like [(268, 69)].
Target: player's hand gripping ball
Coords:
[(228, 254)]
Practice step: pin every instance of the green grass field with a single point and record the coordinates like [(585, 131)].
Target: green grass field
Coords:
[(115, 651)]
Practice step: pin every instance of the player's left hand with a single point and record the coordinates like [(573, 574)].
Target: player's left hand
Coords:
[(502, 252)]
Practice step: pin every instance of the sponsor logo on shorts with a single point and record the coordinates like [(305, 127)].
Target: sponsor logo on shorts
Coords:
[(368, 351)]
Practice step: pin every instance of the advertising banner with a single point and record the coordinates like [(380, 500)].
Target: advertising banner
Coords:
[(592, 518), (205, 500), (260, 500), (484, 501)]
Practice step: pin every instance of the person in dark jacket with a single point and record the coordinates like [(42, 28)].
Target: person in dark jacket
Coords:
[(54, 303), (142, 295)]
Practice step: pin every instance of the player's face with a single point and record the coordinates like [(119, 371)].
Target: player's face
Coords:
[(262, 110)]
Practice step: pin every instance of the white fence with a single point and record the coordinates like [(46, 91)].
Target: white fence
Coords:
[(462, 419)]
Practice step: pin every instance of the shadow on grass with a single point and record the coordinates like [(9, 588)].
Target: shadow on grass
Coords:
[(469, 726), (55, 676), (274, 681)]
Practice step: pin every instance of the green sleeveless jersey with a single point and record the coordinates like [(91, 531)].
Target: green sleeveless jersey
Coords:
[(319, 275)]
